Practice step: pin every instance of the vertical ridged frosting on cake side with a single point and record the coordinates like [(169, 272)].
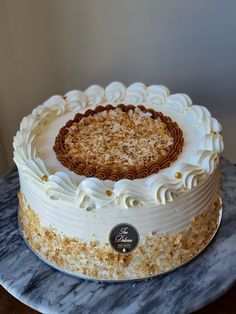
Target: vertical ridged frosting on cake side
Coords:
[(86, 225)]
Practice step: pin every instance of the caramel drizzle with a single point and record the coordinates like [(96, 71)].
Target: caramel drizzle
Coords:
[(106, 172)]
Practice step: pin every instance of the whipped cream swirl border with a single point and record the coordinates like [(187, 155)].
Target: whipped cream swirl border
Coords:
[(92, 193)]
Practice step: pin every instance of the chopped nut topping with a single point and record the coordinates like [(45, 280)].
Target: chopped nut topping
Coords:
[(118, 139), (123, 142)]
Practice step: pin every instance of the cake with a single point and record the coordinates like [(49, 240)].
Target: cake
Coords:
[(118, 183)]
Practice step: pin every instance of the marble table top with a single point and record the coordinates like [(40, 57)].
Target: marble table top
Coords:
[(49, 291)]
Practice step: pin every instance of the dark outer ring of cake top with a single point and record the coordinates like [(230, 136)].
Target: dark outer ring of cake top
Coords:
[(107, 172)]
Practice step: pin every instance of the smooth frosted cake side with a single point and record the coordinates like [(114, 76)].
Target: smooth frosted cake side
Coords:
[(91, 160)]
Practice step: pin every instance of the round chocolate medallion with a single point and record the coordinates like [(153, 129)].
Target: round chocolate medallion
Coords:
[(124, 238)]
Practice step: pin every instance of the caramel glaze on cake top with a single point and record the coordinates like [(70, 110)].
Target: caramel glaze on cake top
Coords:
[(118, 142)]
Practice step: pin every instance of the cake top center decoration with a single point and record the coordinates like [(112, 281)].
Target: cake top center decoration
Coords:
[(118, 142)]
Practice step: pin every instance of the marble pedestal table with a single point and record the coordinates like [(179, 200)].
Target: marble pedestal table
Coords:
[(49, 291)]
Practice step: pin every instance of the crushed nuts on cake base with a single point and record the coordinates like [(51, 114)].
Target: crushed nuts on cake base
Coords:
[(157, 253)]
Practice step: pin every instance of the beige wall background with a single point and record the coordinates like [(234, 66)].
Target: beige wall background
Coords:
[(50, 47)]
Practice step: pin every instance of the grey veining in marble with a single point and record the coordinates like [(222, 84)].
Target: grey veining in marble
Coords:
[(183, 291)]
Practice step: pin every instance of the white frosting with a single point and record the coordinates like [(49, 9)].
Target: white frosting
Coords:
[(35, 158), (179, 102), (115, 92), (75, 99), (74, 221), (156, 94), (95, 95)]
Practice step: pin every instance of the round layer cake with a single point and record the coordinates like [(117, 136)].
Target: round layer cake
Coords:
[(119, 183)]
